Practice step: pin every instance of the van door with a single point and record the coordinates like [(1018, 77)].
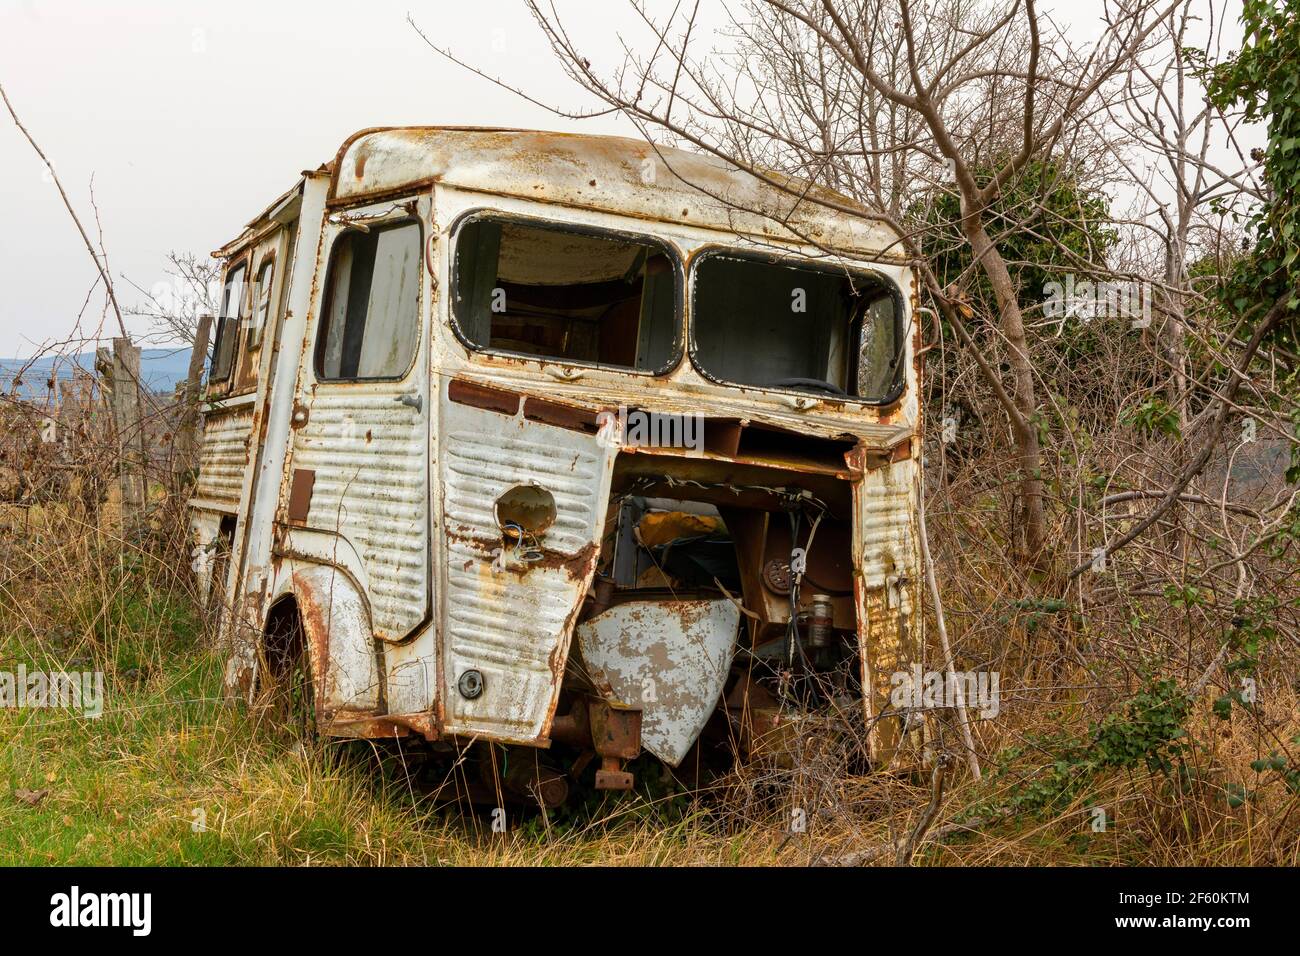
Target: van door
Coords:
[(359, 473), (247, 365)]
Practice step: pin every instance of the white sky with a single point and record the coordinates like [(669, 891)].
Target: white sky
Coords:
[(192, 116)]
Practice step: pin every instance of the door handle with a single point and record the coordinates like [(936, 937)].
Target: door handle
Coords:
[(412, 400)]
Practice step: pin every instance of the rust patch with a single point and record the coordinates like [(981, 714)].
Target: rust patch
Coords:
[(856, 461), (425, 724), (561, 416), (304, 480), (315, 625), (480, 396), (574, 728), (368, 728), (615, 731), (577, 566)]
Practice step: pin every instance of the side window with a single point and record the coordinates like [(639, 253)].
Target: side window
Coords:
[(232, 304), (370, 318), (553, 292), (261, 303), (776, 323)]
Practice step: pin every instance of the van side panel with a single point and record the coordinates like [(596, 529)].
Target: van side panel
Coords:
[(368, 453), (887, 555), (223, 455)]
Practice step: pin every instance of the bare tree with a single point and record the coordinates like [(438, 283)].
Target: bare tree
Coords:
[(884, 100), (174, 306)]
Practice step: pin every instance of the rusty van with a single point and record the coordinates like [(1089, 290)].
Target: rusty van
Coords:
[(425, 487)]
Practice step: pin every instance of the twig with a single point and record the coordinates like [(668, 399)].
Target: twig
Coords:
[(1271, 320), (103, 273), (927, 818), (963, 718)]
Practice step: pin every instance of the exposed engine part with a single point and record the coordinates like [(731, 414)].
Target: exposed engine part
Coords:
[(526, 777), (821, 622), (776, 575), (520, 775), (616, 735), (597, 728), (630, 560), (610, 777), (790, 497), (574, 728)]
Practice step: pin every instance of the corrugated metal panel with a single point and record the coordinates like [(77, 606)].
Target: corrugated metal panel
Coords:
[(886, 511), (513, 624), (223, 456), (367, 450), (885, 591)]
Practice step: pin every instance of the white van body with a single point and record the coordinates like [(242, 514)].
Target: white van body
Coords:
[(366, 453)]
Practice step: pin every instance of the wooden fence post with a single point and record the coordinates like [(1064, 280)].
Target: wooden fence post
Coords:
[(130, 432), (188, 426)]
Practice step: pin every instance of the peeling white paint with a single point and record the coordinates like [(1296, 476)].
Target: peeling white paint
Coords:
[(670, 659)]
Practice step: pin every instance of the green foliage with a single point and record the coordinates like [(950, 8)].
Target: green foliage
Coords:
[(1278, 765), (1043, 212), (1147, 733), (1039, 610), (1236, 795), (1263, 79), (1254, 626), (1187, 596), (1154, 416)]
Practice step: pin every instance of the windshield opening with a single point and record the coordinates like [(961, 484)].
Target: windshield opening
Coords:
[(562, 293), (810, 328)]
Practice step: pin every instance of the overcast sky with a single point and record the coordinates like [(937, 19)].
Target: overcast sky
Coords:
[(192, 116)]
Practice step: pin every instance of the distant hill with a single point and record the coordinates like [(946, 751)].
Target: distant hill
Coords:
[(161, 370)]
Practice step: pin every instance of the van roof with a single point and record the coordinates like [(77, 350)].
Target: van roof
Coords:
[(612, 174)]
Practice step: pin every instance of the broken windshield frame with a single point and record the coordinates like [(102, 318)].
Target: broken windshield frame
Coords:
[(789, 325)]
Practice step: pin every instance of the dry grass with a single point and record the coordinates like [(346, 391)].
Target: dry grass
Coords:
[(172, 775)]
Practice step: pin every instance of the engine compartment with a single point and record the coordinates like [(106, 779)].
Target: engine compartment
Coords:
[(687, 538)]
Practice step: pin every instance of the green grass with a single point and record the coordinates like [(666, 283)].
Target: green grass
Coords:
[(171, 774)]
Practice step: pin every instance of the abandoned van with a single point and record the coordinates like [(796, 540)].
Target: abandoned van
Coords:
[(564, 449)]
